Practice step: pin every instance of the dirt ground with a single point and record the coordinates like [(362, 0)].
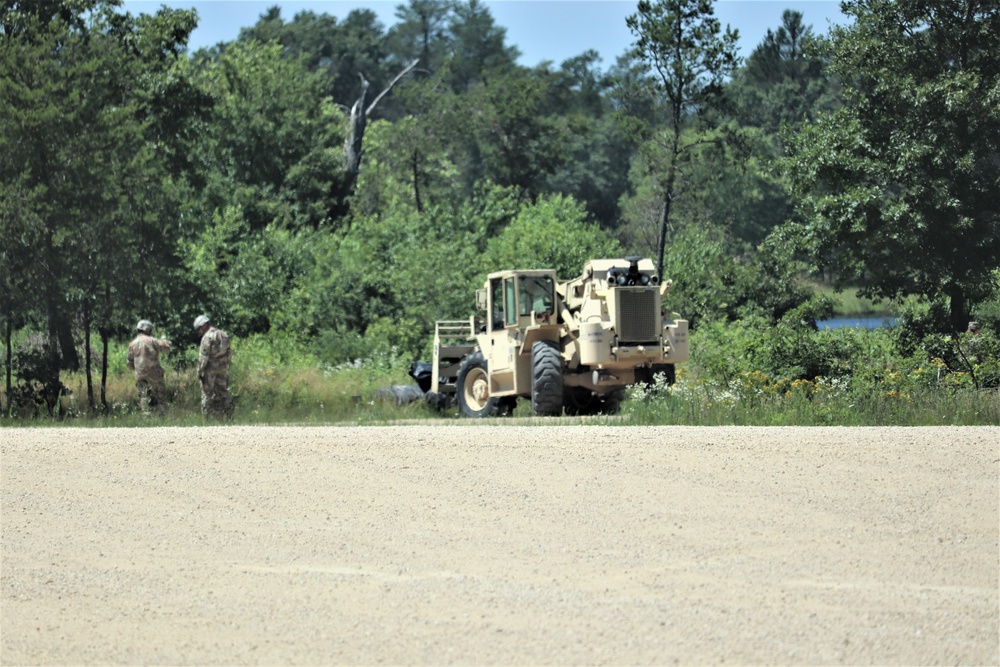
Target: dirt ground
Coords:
[(500, 544)]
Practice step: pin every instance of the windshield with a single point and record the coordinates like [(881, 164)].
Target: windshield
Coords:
[(537, 294)]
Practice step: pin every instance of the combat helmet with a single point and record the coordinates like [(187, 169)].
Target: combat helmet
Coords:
[(145, 326), (200, 321)]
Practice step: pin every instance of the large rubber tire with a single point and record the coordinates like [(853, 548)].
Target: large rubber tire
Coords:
[(473, 389), (546, 379)]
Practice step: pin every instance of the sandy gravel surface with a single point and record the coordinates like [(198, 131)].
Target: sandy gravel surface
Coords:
[(500, 544)]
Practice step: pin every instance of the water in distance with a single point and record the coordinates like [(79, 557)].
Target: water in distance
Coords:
[(874, 322)]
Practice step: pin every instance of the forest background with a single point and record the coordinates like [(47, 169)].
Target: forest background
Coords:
[(326, 189)]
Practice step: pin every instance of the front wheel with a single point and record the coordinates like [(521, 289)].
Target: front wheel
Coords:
[(473, 388), (546, 379)]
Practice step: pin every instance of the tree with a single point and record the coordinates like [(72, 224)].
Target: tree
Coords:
[(347, 57), (595, 163), (337, 51), (272, 125), (680, 41), (552, 233), (407, 163), (361, 110), (899, 187), (421, 34), (514, 143), (477, 45), (87, 131), (785, 79), (18, 274), (401, 270)]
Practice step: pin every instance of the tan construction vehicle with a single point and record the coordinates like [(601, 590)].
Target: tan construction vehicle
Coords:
[(572, 345)]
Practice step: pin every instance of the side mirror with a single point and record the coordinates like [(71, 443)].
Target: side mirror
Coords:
[(481, 299)]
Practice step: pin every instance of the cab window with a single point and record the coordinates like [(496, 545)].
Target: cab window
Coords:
[(496, 299), (510, 305), (537, 294)]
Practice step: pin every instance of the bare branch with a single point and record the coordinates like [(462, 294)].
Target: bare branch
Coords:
[(404, 72)]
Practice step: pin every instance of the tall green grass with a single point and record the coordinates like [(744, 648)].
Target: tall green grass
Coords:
[(272, 381), (740, 374), (757, 400), (846, 302)]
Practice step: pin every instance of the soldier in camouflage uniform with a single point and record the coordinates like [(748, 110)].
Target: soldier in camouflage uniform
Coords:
[(143, 357), (213, 369)]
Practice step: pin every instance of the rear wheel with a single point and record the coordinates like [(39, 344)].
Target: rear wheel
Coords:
[(546, 379), (473, 388)]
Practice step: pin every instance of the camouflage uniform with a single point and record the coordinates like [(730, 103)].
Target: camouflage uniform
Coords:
[(972, 343), (213, 371), (144, 358)]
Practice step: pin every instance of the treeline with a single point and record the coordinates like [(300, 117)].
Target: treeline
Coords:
[(346, 184)]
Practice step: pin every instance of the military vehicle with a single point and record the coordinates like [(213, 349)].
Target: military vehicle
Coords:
[(572, 345)]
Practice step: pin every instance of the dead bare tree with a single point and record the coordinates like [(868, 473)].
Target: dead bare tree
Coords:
[(353, 145)]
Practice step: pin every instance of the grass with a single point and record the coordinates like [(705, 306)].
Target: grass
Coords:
[(269, 387), (347, 397), (294, 388), (846, 302), (828, 405)]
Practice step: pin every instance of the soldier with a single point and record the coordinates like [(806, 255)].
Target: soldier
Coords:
[(972, 344), (213, 369), (143, 357)]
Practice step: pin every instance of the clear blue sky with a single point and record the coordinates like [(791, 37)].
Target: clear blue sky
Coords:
[(541, 29)]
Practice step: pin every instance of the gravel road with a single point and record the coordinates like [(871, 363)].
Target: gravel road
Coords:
[(495, 544)]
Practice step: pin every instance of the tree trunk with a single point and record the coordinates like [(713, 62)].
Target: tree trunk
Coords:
[(69, 359), (354, 144), (668, 191), (356, 136), (8, 334), (52, 385), (104, 368), (415, 162), (661, 242), (104, 334), (958, 315), (63, 350), (86, 354)]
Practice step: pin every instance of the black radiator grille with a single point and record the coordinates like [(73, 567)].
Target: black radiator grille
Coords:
[(638, 318)]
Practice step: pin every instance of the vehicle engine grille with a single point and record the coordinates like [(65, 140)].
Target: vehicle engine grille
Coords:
[(638, 319)]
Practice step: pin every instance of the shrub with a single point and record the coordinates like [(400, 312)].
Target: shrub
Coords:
[(35, 384)]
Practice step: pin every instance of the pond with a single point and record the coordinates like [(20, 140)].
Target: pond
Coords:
[(856, 322)]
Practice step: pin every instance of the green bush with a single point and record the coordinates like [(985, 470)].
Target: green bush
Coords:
[(749, 372)]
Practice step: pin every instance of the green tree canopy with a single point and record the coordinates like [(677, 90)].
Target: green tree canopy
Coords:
[(83, 111), (478, 45), (898, 188), (785, 79), (683, 45), (274, 148), (553, 233)]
